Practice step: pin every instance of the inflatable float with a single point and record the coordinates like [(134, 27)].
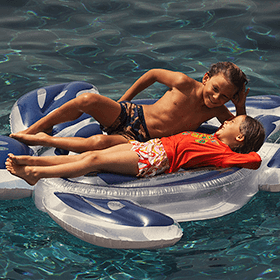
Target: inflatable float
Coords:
[(118, 211)]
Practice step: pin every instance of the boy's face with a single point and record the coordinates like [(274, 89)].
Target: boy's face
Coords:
[(217, 90), (229, 133)]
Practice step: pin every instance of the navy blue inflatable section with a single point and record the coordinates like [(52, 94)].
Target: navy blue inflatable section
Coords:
[(270, 102), (268, 122), (89, 130), (9, 145), (31, 112), (85, 132), (275, 160), (113, 179), (128, 214)]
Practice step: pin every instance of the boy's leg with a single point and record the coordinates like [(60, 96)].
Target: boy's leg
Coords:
[(101, 108), (74, 144)]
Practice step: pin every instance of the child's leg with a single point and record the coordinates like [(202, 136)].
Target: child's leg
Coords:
[(74, 144), (43, 161), (123, 161), (56, 160), (101, 108)]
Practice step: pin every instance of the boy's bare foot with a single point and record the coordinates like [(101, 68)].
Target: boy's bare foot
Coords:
[(31, 139), (22, 171)]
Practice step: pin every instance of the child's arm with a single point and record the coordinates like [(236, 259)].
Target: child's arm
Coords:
[(166, 77), (250, 161)]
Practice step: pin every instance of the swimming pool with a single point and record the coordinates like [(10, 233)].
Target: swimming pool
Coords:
[(110, 44)]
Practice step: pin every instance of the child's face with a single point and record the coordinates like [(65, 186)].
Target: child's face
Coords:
[(217, 90), (229, 133)]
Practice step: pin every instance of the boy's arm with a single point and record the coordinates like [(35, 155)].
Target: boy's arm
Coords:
[(239, 101), (166, 77), (223, 114)]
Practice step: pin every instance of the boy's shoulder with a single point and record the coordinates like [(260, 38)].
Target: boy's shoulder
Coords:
[(183, 80)]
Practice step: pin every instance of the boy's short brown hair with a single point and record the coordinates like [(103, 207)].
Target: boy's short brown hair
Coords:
[(231, 72)]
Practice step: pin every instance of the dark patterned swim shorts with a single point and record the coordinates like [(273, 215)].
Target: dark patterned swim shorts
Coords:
[(130, 123)]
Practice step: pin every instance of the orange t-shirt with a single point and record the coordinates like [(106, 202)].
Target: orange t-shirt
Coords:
[(193, 149)]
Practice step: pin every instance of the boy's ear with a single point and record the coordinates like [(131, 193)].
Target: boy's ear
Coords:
[(239, 138), (205, 78)]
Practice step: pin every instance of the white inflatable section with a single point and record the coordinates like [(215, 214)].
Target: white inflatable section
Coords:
[(62, 94), (103, 233), (16, 120), (15, 188), (41, 97), (269, 178), (93, 90), (184, 202)]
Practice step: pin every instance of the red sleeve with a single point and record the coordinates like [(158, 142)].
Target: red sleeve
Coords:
[(250, 161)]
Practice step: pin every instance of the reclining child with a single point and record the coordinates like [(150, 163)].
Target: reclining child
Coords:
[(234, 144)]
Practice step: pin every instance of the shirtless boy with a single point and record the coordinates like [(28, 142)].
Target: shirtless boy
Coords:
[(185, 106)]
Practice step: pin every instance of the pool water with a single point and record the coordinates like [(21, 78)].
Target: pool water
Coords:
[(110, 44)]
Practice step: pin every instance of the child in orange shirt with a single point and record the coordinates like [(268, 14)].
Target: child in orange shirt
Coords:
[(234, 144)]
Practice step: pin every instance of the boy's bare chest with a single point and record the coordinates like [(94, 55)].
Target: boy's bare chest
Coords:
[(189, 115), (189, 108), (177, 111)]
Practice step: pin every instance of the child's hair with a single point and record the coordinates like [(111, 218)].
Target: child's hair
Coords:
[(254, 136), (231, 72)]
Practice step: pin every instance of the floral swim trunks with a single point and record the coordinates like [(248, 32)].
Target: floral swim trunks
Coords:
[(152, 157), (130, 123)]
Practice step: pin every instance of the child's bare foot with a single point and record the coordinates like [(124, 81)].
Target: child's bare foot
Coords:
[(31, 139), (20, 160), (22, 171)]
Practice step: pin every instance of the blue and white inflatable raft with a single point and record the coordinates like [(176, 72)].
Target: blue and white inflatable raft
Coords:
[(119, 211)]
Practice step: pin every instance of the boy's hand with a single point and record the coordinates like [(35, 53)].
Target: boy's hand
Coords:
[(239, 100)]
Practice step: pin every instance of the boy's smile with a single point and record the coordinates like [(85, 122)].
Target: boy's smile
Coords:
[(217, 90)]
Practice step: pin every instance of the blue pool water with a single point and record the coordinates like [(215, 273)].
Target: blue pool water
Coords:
[(110, 44)]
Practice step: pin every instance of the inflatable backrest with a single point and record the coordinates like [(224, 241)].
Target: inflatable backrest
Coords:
[(40, 102), (270, 124)]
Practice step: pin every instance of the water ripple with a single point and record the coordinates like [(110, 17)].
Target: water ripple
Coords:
[(110, 44)]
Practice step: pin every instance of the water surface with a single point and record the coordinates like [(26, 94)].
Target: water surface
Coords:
[(110, 44)]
